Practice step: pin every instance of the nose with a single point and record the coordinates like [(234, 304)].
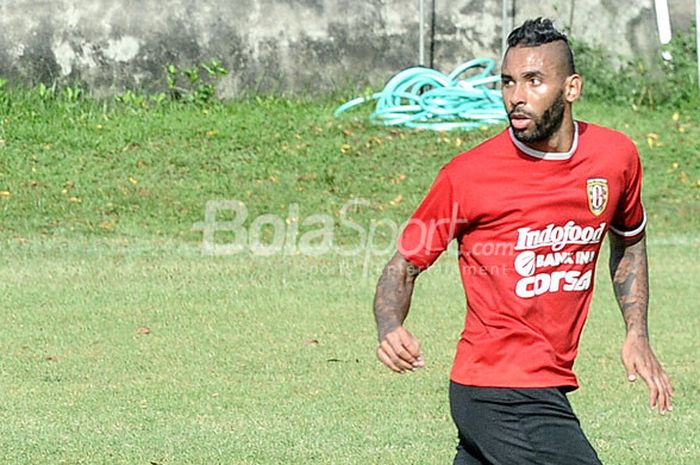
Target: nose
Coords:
[(516, 95)]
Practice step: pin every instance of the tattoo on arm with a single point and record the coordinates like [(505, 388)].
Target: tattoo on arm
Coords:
[(393, 296), (628, 269)]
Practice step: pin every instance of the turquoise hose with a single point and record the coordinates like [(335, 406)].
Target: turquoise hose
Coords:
[(424, 98)]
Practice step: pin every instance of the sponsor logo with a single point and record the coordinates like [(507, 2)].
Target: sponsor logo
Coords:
[(529, 263), (597, 189), (553, 282), (558, 237)]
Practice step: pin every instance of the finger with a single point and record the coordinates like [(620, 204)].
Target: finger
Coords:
[(666, 389), (646, 375), (396, 357), (668, 383), (660, 379), (669, 392), (386, 360), (629, 369), (411, 343), (398, 348), (662, 397), (654, 393), (413, 346)]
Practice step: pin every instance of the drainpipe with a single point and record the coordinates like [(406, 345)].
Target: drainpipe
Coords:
[(504, 28), (421, 33), (663, 23), (697, 36)]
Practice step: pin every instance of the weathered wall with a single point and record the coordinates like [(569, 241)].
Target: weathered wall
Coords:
[(279, 45)]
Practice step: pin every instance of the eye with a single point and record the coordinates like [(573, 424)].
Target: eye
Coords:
[(535, 81), (507, 82)]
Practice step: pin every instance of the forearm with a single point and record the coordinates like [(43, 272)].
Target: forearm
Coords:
[(393, 296), (630, 277)]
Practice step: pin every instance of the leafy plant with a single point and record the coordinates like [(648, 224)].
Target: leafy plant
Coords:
[(4, 96), (635, 82), (199, 86), (72, 94), (132, 100), (46, 93), (681, 74)]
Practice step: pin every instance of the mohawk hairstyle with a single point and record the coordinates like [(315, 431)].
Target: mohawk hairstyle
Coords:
[(540, 31)]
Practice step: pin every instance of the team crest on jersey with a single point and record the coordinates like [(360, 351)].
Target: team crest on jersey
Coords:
[(597, 189)]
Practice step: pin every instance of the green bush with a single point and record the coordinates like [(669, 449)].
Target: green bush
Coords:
[(681, 72), (635, 82), (195, 85)]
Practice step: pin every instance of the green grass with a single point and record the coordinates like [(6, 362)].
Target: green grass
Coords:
[(258, 360), (135, 173)]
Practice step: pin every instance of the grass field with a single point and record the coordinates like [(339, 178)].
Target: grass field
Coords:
[(122, 343)]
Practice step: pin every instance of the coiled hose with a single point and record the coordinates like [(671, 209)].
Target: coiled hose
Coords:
[(420, 97)]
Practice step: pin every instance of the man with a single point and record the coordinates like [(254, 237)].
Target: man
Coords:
[(529, 209)]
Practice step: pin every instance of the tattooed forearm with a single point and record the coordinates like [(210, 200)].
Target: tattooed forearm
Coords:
[(628, 269), (393, 296)]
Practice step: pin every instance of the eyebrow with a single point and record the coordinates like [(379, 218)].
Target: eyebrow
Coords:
[(533, 74), (525, 75)]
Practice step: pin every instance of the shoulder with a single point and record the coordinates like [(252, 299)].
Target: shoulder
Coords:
[(477, 157), (611, 140)]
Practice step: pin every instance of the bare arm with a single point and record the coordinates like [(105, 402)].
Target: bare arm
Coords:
[(630, 277), (629, 272), (398, 348), (393, 296)]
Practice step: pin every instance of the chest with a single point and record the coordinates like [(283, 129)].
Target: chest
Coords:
[(526, 193)]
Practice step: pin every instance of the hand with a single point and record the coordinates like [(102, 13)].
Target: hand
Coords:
[(400, 351), (639, 359)]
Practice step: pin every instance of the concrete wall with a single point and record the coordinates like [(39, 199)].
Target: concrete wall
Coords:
[(282, 45)]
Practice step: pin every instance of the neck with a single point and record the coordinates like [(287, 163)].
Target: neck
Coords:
[(560, 141)]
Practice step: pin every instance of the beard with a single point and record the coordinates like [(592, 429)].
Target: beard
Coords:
[(545, 125)]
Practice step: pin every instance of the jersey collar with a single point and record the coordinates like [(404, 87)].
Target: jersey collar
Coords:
[(546, 155)]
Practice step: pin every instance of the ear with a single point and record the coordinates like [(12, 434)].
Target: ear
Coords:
[(572, 87)]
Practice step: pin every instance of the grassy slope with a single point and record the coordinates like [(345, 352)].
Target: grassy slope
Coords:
[(151, 173), (263, 360)]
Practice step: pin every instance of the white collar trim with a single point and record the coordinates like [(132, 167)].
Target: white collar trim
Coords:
[(546, 155)]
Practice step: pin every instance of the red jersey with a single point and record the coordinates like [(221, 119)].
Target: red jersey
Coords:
[(529, 226)]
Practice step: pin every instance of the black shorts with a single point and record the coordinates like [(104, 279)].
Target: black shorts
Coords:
[(503, 426)]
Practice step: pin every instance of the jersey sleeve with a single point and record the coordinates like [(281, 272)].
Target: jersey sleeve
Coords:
[(433, 225), (630, 218)]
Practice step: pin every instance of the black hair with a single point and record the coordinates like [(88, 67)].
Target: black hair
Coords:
[(540, 31)]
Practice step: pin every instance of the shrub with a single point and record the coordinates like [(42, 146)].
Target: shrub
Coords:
[(635, 82)]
